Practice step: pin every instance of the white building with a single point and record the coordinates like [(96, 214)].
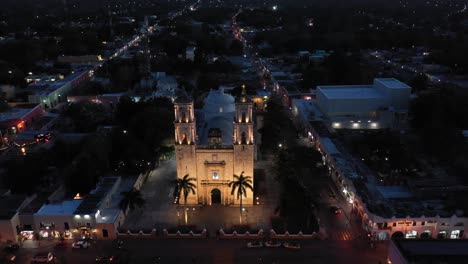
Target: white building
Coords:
[(97, 215), (10, 205), (380, 105), (167, 87), (190, 53)]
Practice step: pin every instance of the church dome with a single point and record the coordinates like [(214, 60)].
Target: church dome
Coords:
[(217, 103)]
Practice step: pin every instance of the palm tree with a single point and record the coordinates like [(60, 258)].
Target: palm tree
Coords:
[(131, 199), (241, 183), (185, 186)]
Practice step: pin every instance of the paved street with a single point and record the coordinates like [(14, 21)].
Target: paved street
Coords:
[(212, 251)]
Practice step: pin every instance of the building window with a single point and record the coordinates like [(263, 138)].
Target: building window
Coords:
[(455, 234), (105, 233), (243, 117), (411, 234), (215, 175), (221, 109)]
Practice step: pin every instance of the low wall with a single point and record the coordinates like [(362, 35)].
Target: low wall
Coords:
[(300, 235), (165, 234), (246, 235), (191, 234), (140, 234)]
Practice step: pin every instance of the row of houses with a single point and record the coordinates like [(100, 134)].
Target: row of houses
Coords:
[(97, 215), (385, 211)]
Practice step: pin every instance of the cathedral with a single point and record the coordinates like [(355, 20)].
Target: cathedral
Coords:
[(213, 144)]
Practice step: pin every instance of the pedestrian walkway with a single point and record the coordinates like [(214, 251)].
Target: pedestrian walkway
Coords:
[(223, 257), (46, 243)]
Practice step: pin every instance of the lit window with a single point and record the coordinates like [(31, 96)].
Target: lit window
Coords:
[(215, 175), (455, 234), (411, 234)]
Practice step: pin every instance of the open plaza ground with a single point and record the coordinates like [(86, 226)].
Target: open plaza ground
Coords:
[(160, 212)]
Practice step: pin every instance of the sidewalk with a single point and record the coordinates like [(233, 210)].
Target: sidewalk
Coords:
[(39, 244)]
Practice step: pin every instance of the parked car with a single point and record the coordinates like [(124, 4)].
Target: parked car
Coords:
[(255, 244), (43, 137), (107, 259), (11, 248), (272, 244), (292, 245), (42, 257), (81, 244), (335, 210)]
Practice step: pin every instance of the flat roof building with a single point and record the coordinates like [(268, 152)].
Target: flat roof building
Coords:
[(364, 106), (427, 251)]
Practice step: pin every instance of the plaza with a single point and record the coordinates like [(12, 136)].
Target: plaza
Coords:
[(160, 211)]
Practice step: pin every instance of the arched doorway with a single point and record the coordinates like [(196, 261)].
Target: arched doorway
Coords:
[(398, 235), (215, 196), (426, 234)]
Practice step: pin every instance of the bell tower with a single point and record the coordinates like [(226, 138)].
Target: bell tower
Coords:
[(243, 120), (243, 141), (185, 133), (185, 141)]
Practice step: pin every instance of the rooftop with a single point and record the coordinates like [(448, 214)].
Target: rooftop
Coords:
[(44, 91), (329, 147), (63, 208), (392, 83), (110, 213), (93, 200), (350, 92), (394, 192), (15, 113), (433, 251)]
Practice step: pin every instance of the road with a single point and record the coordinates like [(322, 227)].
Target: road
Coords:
[(213, 251)]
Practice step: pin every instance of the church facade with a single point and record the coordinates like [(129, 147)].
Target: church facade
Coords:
[(219, 146)]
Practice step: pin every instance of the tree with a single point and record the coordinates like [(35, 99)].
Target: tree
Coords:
[(419, 83), (241, 183), (131, 199), (185, 186)]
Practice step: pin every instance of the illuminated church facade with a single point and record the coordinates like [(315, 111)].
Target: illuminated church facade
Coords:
[(220, 145)]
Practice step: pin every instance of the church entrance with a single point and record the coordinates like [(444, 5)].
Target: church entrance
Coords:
[(215, 196)]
